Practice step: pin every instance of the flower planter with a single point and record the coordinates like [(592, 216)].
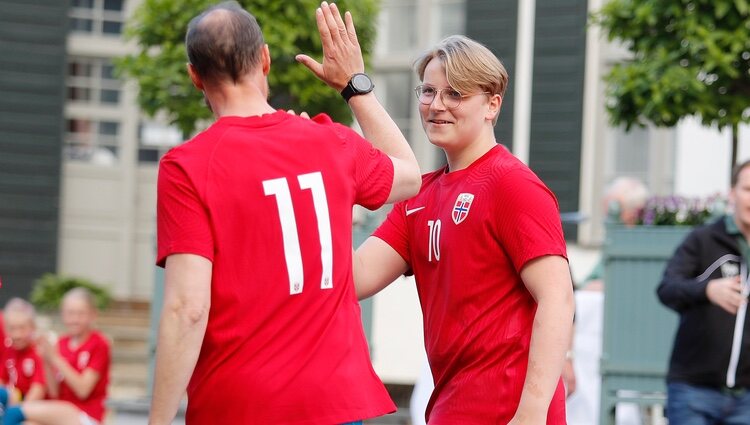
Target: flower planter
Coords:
[(638, 330)]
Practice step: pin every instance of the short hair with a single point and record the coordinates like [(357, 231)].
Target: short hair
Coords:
[(17, 305), (630, 192), (469, 65), (81, 293), (737, 170), (224, 42)]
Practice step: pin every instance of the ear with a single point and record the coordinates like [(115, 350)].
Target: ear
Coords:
[(197, 82), (493, 107), (265, 60)]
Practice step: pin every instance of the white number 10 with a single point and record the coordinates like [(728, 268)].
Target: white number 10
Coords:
[(279, 188)]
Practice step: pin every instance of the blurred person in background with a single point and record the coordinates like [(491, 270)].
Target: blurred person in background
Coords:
[(21, 370), (77, 369), (625, 198), (706, 283)]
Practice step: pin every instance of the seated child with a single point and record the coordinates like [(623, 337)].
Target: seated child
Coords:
[(80, 364), (22, 370)]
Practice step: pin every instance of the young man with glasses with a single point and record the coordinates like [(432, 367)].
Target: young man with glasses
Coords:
[(484, 241)]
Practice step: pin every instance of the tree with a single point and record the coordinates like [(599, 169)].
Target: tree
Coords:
[(689, 58), (159, 27)]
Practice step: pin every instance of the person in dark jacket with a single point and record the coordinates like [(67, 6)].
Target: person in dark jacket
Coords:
[(706, 282)]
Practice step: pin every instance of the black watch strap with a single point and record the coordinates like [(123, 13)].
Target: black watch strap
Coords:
[(359, 84), (348, 92)]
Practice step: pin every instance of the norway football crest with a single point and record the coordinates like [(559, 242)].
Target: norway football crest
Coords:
[(461, 209)]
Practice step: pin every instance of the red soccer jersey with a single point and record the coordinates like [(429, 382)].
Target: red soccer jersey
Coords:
[(22, 368), (269, 200), (93, 354), (466, 237)]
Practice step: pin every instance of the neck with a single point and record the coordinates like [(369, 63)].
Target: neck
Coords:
[(245, 99), (78, 339), (743, 227), (465, 156)]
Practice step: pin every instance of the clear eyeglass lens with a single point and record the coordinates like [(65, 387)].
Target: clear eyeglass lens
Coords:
[(450, 97)]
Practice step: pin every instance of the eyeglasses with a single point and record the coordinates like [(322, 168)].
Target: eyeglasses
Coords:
[(450, 97)]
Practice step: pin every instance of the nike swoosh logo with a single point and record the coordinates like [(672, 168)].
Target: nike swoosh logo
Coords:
[(412, 211)]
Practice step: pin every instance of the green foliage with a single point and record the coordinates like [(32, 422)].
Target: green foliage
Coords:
[(159, 27), (49, 289), (690, 58)]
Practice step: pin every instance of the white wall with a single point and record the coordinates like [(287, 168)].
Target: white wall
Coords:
[(397, 338), (702, 159)]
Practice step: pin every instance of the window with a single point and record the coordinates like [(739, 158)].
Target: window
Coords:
[(155, 139), (449, 18), (92, 141), (397, 32), (100, 17), (399, 96), (92, 80)]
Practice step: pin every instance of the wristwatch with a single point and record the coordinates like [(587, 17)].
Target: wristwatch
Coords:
[(359, 84)]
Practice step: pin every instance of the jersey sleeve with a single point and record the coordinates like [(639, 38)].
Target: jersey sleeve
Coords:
[(100, 356), (394, 232), (39, 376), (4, 378), (373, 171), (527, 218), (183, 226)]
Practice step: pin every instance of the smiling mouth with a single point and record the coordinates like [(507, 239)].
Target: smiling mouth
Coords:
[(440, 122)]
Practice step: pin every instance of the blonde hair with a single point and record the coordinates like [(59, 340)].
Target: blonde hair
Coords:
[(469, 65), (83, 294), (20, 306)]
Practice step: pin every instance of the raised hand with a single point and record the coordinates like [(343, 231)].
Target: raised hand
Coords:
[(342, 56)]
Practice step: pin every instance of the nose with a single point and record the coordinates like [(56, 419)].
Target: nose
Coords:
[(437, 102)]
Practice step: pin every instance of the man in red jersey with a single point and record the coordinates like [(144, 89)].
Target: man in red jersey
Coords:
[(78, 370), (261, 322), (484, 241)]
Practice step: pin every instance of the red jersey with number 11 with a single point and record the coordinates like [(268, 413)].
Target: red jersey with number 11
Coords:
[(268, 199)]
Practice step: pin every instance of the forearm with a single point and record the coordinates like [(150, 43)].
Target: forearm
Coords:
[(679, 293), (380, 129), (80, 383), (36, 392), (52, 385), (180, 338), (550, 339)]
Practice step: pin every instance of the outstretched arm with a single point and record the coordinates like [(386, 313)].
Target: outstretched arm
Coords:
[(376, 265), (342, 58), (184, 317)]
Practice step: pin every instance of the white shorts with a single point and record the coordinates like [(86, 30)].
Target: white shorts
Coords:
[(88, 420)]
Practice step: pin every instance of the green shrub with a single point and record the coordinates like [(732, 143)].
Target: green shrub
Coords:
[(49, 289)]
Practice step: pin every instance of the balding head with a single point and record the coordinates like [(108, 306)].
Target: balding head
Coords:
[(80, 294), (224, 43), (630, 194)]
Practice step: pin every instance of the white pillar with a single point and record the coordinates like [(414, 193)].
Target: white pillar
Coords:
[(523, 79)]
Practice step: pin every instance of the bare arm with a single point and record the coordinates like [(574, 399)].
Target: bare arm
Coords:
[(376, 265), (35, 392), (46, 349), (548, 280), (187, 299), (81, 383), (342, 58)]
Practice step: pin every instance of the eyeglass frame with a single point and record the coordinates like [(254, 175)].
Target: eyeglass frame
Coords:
[(439, 93)]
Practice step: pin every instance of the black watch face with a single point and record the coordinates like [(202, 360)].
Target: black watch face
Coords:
[(361, 83)]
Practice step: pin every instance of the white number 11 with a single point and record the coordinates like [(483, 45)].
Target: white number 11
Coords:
[(279, 188)]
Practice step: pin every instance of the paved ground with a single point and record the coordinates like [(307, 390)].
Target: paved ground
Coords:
[(136, 413)]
